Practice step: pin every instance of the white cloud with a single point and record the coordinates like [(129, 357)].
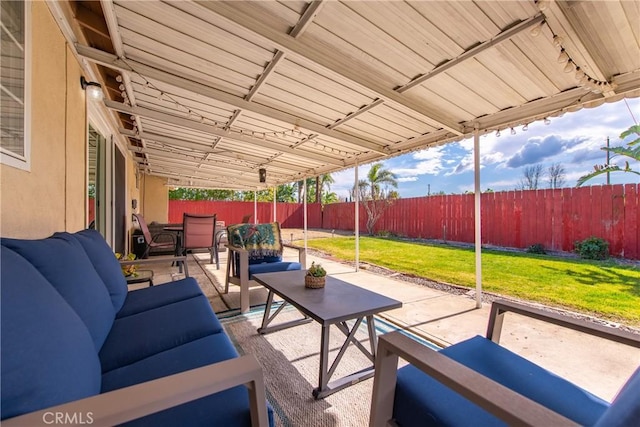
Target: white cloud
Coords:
[(408, 179)]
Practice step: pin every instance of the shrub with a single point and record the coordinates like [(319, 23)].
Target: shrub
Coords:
[(536, 248), (592, 248)]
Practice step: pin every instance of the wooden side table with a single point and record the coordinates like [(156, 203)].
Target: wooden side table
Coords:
[(141, 277)]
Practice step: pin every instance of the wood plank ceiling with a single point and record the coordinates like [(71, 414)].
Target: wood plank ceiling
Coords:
[(208, 92)]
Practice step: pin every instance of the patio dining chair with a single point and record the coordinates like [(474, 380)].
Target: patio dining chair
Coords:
[(220, 238), (167, 240), (254, 249), (199, 233), (479, 382)]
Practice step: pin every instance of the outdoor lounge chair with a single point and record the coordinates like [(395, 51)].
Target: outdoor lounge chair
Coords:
[(254, 249), (481, 383)]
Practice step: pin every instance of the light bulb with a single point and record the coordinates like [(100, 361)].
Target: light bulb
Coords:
[(557, 41), (535, 31), (513, 131), (563, 57), (498, 133), (547, 122), (525, 127), (569, 67)]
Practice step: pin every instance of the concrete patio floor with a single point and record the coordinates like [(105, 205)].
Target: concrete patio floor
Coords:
[(595, 364)]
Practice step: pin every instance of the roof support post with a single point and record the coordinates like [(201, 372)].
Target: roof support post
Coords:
[(356, 191), (478, 219), (305, 217), (255, 207), (275, 197)]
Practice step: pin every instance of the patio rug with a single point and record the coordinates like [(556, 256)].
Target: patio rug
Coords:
[(290, 360)]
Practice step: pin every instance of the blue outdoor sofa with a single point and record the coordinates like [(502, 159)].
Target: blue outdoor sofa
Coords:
[(77, 347), (478, 382)]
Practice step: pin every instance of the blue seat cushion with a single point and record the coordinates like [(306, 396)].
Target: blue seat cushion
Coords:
[(421, 400), (273, 267), (156, 296), (105, 263), (227, 408), (144, 334), (625, 408), (66, 265), (48, 356)]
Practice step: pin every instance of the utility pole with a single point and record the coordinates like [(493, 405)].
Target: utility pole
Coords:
[(428, 189), (608, 159)]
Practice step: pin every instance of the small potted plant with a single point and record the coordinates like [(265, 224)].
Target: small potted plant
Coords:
[(315, 277)]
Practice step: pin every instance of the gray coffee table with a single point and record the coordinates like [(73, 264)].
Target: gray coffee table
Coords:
[(334, 304)]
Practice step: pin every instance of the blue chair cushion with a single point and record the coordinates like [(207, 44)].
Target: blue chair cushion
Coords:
[(66, 265), (105, 263), (227, 408), (141, 335), (421, 400), (157, 296), (261, 259), (48, 356), (625, 408), (273, 267)]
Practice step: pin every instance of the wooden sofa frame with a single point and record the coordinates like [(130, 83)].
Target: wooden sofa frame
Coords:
[(500, 401)]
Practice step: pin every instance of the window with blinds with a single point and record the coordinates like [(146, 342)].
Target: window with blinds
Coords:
[(14, 142)]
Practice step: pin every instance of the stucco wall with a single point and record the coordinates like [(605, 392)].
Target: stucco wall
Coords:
[(49, 197), (155, 199)]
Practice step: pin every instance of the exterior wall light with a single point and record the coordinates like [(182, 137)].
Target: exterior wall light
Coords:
[(262, 174), (94, 90)]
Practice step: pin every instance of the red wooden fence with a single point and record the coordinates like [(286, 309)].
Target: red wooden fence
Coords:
[(289, 215), (554, 218), (518, 219)]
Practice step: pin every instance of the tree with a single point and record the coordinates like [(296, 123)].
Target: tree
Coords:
[(375, 194), (531, 177), (556, 174), (632, 150), (182, 193), (323, 182)]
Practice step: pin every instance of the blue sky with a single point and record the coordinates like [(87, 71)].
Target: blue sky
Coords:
[(573, 140)]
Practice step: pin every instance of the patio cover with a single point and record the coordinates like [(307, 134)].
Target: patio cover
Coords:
[(205, 93)]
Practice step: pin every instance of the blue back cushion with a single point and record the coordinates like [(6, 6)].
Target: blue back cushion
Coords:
[(625, 408), (105, 263), (48, 356), (65, 264)]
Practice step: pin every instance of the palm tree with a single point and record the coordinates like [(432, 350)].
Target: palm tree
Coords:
[(323, 182), (374, 195), (379, 179), (632, 150)]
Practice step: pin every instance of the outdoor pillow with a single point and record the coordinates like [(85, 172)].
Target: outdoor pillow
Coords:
[(65, 264), (105, 263), (48, 356)]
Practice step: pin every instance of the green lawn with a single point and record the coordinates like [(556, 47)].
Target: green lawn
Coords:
[(600, 288)]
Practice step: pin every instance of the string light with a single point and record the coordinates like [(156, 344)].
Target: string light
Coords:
[(525, 127), (498, 133), (513, 131), (547, 122), (571, 65), (191, 114)]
